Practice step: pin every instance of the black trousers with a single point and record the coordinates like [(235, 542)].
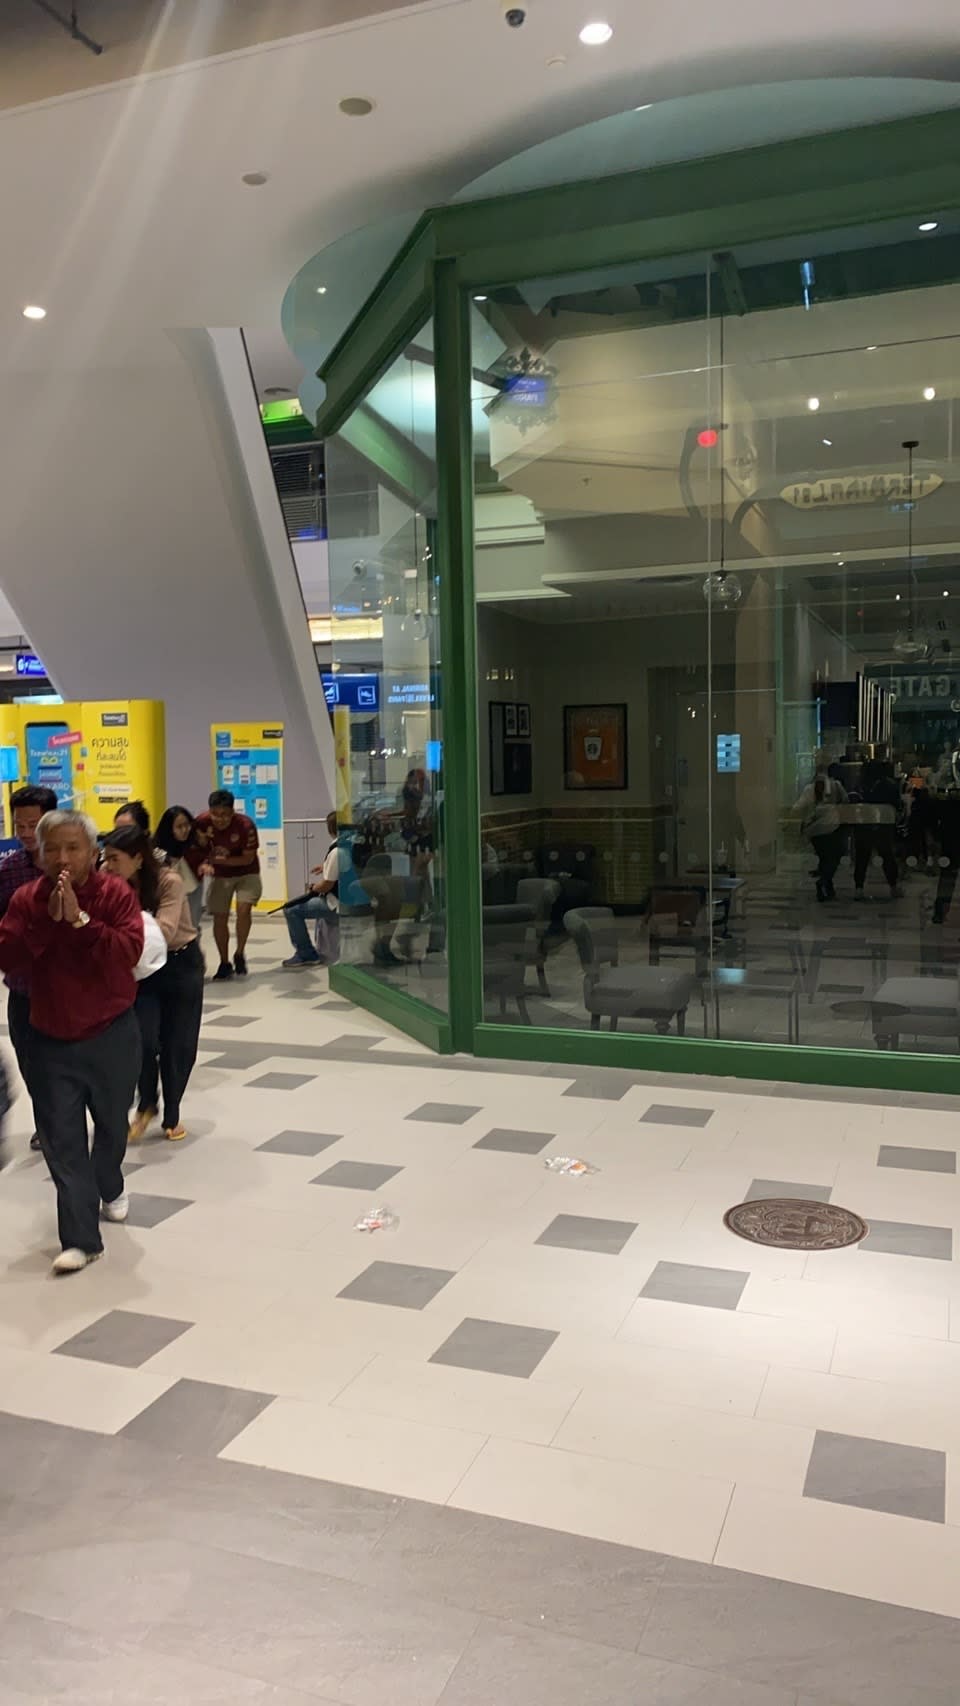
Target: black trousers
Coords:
[(876, 838), (169, 1009), (98, 1075), (829, 851), (21, 1036)]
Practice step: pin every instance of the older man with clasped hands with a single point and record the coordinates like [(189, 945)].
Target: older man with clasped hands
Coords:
[(77, 935)]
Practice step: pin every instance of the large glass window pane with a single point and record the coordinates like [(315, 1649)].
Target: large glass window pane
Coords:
[(596, 473), (385, 684), (834, 701)]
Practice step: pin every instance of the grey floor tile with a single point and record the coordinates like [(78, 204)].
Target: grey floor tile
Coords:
[(147, 1210), (124, 1338), (233, 1021), (398, 1284), (357, 1175), (196, 1416), (873, 1474), (298, 1143), (443, 1113), (902, 1238), (597, 1089), (281, 1081), (587, 1232), (356, 1645), (262, 1513), (836, 1648), (917, 1160), (667, 1113), (331, 1006), (685, 1282), (588, 1588), (761, 1189), (509, 1664), (515, 1142), (495, 1346), (43, 1660)]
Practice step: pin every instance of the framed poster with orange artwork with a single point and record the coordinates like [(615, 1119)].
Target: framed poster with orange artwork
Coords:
[(595, 746)]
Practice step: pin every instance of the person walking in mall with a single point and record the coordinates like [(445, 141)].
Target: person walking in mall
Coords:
[(876, 832), (232, 849), (22, 865), (76, 934), (819, 807), (170, 1002), (322, 903), (177, 840), (135, 813)]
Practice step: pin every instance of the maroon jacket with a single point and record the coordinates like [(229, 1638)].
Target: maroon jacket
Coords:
[(80, 980)]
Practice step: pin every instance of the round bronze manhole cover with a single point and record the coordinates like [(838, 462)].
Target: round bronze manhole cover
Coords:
[(790, 1223)]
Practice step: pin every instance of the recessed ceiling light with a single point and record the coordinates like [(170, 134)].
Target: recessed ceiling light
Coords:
[(870, 347), (356, 106), (596, 35), (828, 442), (896, 598), (479, 299), (946, 593), (32, 312), (255, 179), (555, 61), (929, 392), (645, 108), (321, 290), (929, 225), (813, 404)]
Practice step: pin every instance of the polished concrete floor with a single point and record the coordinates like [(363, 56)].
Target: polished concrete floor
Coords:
[(550, 1440)]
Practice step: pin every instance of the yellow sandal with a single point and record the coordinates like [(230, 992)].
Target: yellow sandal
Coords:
[(140, 1124)]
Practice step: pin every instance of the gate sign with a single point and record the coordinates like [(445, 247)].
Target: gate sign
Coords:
[(831, 493)]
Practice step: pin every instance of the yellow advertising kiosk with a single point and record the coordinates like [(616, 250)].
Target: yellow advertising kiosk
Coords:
[(95, 755)]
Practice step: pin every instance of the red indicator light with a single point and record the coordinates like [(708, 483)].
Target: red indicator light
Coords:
[(707, 438)]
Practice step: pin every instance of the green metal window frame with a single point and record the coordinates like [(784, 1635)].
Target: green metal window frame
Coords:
[(846, 178)]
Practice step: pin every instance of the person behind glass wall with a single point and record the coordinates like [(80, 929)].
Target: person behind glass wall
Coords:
[(819, 807), (76, 934), (169, 1004), (880, 794), (323, 903), (177, 839), (22, 865), (133, 813)]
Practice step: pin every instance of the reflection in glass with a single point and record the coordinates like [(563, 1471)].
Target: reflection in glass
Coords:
[(384, 686), (717, 538)]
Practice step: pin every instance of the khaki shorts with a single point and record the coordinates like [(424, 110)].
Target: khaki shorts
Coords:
[(222, 890)]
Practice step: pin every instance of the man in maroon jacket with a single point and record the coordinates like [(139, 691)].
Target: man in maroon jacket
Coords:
[(77, 935)]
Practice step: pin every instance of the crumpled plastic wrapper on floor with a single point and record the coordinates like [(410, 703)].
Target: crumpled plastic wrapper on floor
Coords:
[(569, 1164), (380, 1219)]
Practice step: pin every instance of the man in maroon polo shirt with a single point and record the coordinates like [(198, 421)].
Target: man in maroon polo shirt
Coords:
[(77, 935)]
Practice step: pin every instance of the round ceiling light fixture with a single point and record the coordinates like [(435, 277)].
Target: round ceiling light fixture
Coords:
[(596, 34), (813, 404), (356, 106), (34, 312), (929, 393), (255, 180), (321, 290), (722, 589), (929, 225)]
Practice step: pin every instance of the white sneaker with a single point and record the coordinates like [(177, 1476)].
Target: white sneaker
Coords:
[(117, 1210), (72, 1261)]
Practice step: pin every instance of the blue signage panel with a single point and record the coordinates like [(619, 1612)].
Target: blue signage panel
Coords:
[(28, 664), (728, 754), (50, 766), (253, 776), (352, 692)]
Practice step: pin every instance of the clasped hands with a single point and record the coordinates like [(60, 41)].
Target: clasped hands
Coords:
[(64, 907)]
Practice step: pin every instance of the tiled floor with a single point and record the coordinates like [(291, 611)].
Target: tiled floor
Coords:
[(550, 1439)]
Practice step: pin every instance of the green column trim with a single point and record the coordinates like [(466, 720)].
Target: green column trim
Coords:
[(458, 655), (401, 466), (414, 1018), (395, 310)]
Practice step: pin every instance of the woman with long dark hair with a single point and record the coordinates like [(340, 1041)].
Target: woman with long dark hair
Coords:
[(178, 839), (170, 1003)]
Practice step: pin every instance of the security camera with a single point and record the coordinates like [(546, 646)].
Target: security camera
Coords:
[(515, 16)]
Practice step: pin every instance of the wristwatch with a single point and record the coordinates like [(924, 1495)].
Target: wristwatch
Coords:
[(82, 919)]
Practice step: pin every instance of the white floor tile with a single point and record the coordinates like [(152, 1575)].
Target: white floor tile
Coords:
[(389, 1454), (680, 1437), (618, 1501), (769, 1339), (871, 1409), (494, 1404), (625, 1373), (80, 1394), (865, 1553), (873, 1311)]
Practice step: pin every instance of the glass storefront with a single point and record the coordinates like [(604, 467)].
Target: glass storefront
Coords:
[(385, 688), (704, 544)]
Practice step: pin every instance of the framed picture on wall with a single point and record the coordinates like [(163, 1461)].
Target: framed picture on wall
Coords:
[(523, 722), (510, 721), (511, 759), (594, 747)]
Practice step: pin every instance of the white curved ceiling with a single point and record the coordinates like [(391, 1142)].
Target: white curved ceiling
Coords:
[(122, 208)]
